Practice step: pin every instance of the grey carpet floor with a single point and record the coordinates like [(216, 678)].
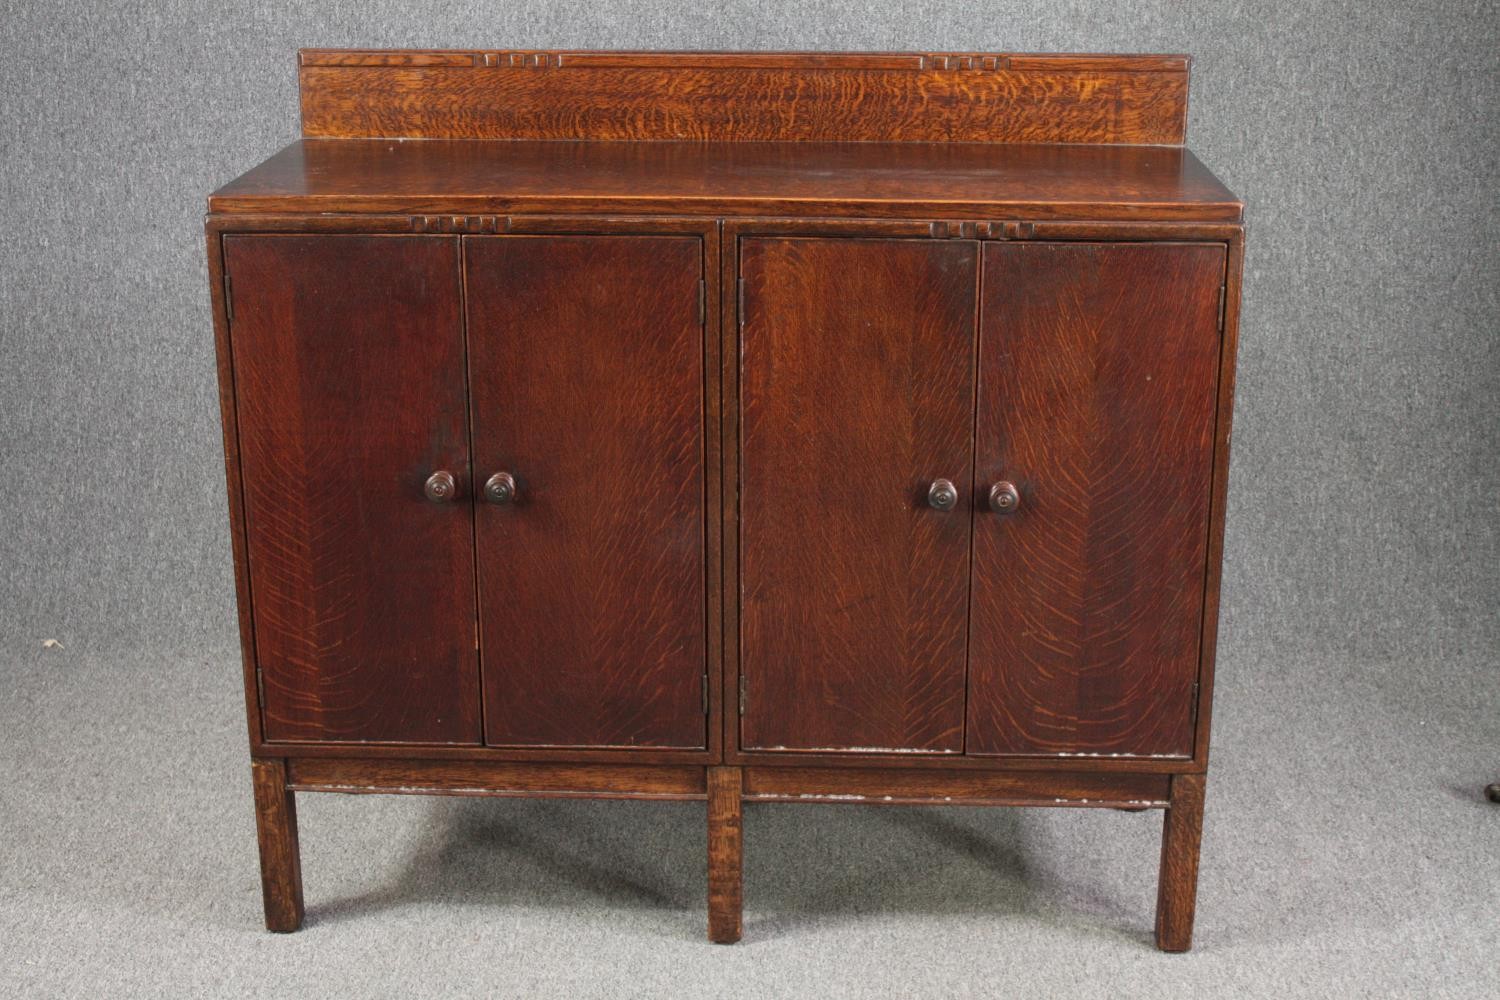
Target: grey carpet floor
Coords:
[(1348, 852)]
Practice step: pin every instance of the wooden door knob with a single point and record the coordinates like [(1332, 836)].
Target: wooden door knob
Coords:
[(500, 488), (943, 495), (1004, 499), (441, 487)]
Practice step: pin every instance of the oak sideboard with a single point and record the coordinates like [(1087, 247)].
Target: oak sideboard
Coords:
[(731, 427)]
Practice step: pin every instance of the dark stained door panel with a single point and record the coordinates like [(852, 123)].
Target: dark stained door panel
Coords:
[(856, 395), (348, 359), (1097, 385), (586, 372)]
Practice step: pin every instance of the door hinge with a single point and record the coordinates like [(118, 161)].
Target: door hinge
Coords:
[(702, 302), (705, 694), (739, 284), (1222, 295), (228, 299), (742, 694), (1195, 706)]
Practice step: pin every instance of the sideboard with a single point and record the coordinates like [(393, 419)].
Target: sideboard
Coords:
[(731, 427)]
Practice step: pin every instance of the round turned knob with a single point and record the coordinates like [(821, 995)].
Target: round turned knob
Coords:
[(500, 488), (943, 495), (440, 487), (1003, 498)]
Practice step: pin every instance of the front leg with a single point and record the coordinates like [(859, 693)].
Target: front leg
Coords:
[(725, 855), (1177, 890), (280, 859)]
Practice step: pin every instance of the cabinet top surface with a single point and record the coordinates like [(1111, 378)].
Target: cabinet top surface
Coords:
[(808, 178)]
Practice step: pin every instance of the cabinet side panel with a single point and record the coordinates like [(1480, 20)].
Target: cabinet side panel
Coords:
[(219, 297), (1097, 386), (349, 369), (588, 389), (856, 395)]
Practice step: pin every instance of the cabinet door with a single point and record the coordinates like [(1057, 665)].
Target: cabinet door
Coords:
[(1097, 380), (856, 396), (586, 366), (349, 376)]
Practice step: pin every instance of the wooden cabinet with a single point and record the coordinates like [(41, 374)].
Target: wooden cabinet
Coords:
[(870, 446)]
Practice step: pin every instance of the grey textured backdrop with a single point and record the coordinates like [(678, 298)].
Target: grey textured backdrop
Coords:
[(1362, 515), (1362, 583)]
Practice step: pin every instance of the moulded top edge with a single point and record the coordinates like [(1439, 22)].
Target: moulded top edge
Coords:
[(880, 180)]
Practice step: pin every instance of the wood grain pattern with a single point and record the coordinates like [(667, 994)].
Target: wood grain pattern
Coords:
[(877, 786), (967, 181), (1097, 392), (725, 855), (1177, 888), (280, 856), (856, 393), (368, 57), (843, 97), (548, 779), (586, 367), (349, 378), (744, 60)]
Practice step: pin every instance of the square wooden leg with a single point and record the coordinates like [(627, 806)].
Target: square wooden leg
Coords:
[(280, 859), (725, 855), (1177, 891)]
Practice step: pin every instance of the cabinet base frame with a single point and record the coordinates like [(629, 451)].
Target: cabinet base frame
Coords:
[(725, 789)]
